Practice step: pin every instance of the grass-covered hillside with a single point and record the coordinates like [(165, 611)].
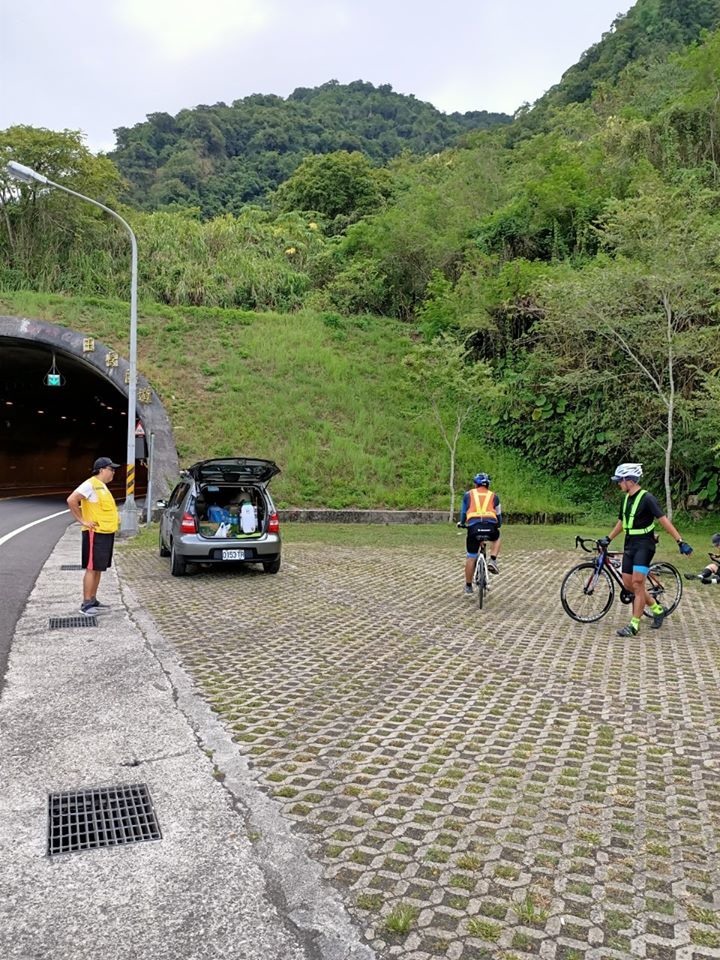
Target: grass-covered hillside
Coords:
[(329, 399)]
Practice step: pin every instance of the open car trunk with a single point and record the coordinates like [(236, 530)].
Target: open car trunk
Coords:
[(230, 511)]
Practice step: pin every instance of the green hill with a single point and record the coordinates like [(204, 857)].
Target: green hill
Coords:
[(220, 157), (328, 399)]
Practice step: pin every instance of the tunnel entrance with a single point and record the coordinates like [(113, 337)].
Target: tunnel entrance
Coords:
[(63, 402)]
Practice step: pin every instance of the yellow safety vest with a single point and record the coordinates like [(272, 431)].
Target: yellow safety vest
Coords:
[(481, 505), (104, 512), (629, 519)]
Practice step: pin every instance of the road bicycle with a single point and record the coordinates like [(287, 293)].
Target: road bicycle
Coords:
[(588, 590), (481, 575)]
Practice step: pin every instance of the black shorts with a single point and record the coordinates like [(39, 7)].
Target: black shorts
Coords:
[(481, 530), (97, 550), (638, 553)]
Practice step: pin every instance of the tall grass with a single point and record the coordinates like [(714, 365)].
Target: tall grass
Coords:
[(327, 398)]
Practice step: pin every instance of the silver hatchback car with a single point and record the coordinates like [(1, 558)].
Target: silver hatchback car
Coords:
[(221, 512)]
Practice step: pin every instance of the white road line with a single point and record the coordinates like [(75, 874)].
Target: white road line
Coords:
[(14, 533)]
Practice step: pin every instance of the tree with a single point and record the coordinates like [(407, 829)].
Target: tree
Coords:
[(454, 387), (335, 185), (41, 230), (643, 315)]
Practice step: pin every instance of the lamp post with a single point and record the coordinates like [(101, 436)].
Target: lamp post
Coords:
[(128, 511)]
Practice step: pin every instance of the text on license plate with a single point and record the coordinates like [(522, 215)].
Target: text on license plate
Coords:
[(233, 554)]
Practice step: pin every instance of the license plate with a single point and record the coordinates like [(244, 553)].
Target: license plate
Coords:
[(233, 554)]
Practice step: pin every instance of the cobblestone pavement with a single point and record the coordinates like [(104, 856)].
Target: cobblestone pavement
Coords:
[(498, 783)]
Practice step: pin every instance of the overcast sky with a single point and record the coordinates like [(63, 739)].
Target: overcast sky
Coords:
[(94, 65)]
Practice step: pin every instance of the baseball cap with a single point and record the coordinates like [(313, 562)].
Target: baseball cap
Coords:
[(103, 462)]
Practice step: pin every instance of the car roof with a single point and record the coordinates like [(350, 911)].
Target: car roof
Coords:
[(234, 470)]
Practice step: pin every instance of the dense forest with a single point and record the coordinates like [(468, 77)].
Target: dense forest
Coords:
[(220, 157), (572, 255)]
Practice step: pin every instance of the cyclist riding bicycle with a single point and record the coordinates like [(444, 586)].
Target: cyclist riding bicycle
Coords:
[(710, 572), (481, 513), (637, 517)]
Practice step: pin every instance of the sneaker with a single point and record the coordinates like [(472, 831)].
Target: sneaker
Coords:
[(658, 619), (99, 607), (492, 566), (694, 576), (87, 609), (468, 590), (628, 631)]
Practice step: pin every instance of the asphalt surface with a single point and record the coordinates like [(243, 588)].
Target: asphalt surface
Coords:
[(22, 556)]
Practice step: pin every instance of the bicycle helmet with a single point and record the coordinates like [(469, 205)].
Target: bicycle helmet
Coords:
[(481, 480), (715, 539), (627, 471)]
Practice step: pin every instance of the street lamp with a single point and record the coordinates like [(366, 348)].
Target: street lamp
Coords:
[(128, 512)]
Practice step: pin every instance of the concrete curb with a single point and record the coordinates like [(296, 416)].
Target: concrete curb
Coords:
[(323, 515)]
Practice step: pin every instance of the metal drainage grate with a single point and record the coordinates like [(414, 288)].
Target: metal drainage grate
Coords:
[(71, 566), (59, 623), (108, 817)]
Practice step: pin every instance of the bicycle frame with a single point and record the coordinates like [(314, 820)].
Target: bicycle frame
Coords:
[(481, 576), (604, 559)]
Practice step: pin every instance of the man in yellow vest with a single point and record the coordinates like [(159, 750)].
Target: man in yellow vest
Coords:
[(481, 513), (637, 517), (94, 507)]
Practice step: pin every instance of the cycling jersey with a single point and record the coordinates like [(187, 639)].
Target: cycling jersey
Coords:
[(480, 505), (638, 514)]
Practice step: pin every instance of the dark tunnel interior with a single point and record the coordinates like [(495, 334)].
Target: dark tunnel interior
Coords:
[(50, 435)]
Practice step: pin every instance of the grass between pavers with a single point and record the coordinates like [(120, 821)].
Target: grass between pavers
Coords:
[(289, 736)]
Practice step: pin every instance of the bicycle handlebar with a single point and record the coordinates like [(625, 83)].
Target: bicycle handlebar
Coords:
[(583, 541)]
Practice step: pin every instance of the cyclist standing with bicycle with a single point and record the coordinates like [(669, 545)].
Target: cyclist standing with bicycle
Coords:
[(481, 513), (637, 517)]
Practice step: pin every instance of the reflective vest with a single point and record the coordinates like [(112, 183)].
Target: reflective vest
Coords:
[(629, 518), (481, 506), (104, 512)]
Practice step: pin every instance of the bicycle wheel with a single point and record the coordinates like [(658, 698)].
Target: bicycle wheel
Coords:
[(665, 586), (481, 576), (587, 595)]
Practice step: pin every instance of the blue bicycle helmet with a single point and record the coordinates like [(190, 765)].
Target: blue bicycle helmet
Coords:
[(715, 539), (481, 480)]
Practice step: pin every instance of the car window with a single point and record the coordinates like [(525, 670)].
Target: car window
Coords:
[(178, 494)]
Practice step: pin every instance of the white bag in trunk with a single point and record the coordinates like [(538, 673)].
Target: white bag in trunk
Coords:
[(248, 518)]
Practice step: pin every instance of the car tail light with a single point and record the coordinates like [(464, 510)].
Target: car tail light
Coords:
[(188, 524), (273, 523)]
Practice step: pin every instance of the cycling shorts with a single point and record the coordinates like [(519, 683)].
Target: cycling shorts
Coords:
[(480, 530), (638, 554)]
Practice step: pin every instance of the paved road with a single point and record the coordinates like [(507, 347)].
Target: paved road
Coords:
[(23, 555)]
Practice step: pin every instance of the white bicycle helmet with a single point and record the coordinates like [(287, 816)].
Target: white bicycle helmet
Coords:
[(627, 471)]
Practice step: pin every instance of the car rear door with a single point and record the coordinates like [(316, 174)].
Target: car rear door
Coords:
[(172, 514)]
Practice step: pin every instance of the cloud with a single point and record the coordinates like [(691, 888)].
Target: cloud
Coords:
[(180, 29)]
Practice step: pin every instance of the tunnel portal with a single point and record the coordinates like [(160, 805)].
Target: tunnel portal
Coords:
[(51, 434)]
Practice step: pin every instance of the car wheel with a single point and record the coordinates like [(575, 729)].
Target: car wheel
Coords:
[(178, 564), (164, 552), (271, 566)]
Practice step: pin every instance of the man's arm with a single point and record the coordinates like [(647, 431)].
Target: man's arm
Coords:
[(615, 530), (669, 528), (74, 501), (463, 507)]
